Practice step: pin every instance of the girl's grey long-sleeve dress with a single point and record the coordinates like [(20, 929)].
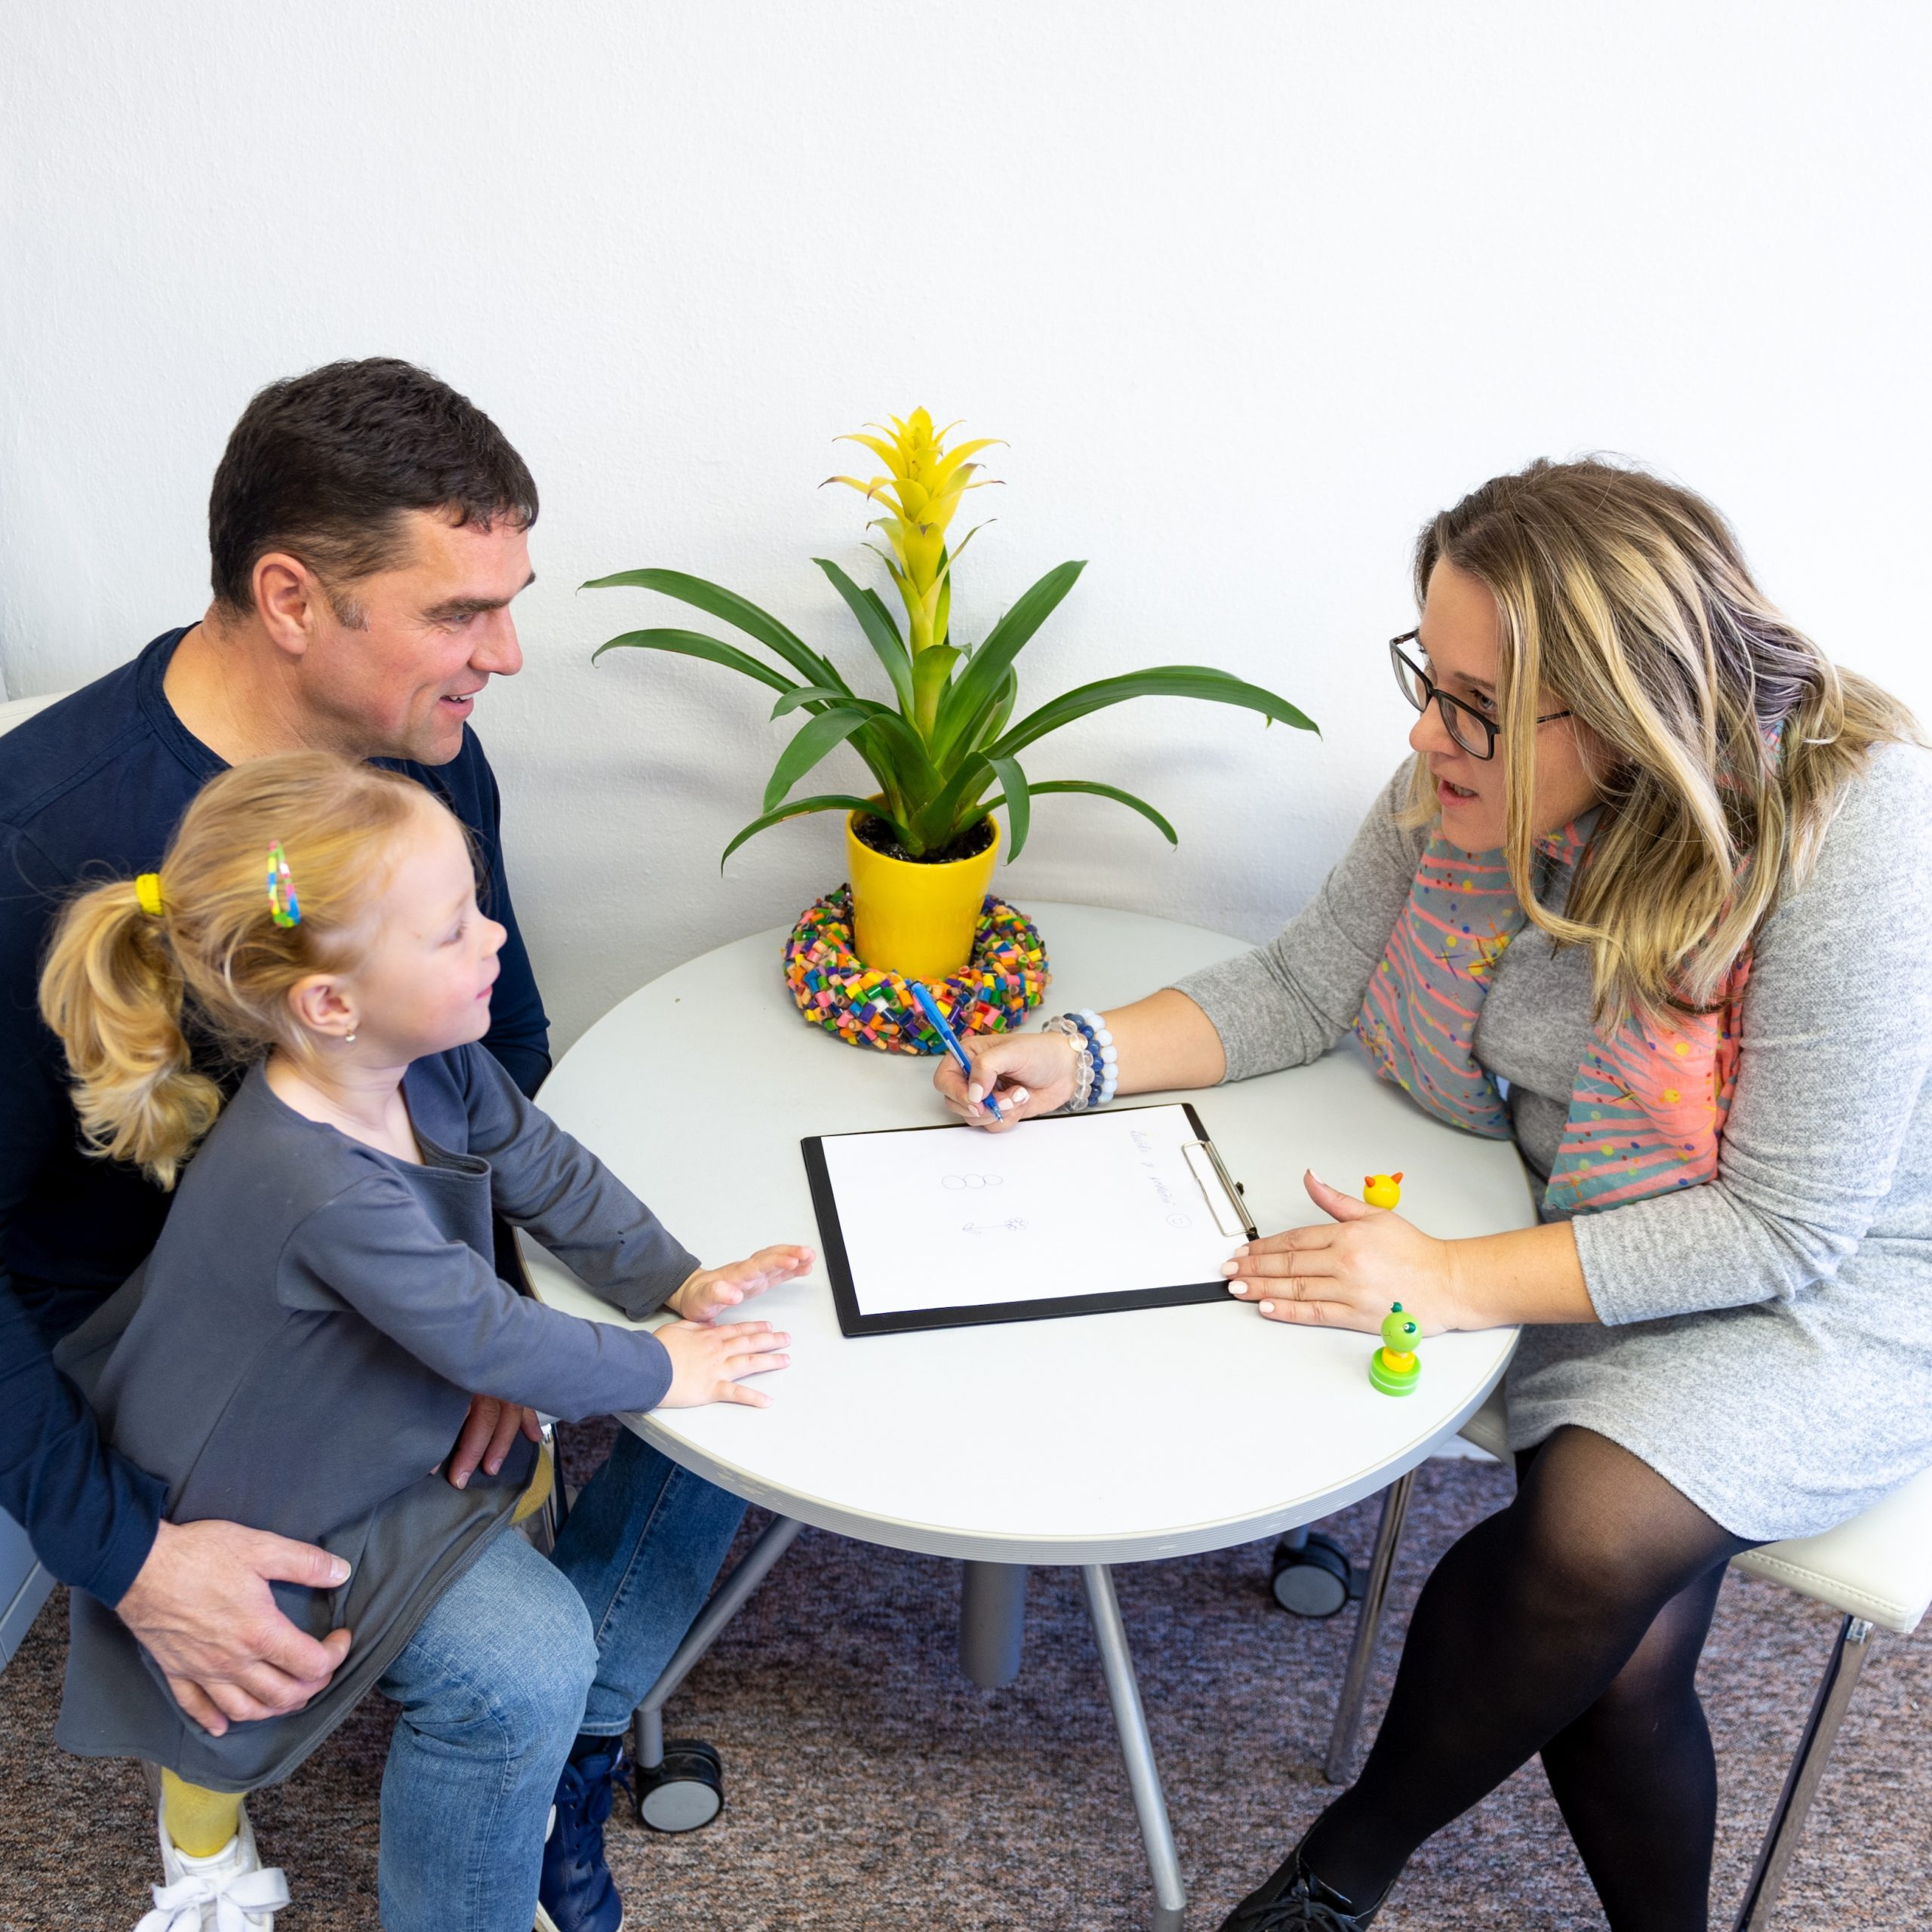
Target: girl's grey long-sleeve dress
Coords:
[(298, 1351), (1763, 1342)]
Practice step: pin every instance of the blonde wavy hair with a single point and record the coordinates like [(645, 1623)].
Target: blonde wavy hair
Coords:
[(123, 987), (1729, 735)]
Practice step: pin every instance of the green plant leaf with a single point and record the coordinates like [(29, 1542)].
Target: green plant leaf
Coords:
[(1017, 798), (987, 724), (884, 639), (948, 812), (891, 564), (1003, 706), (816, 737), (1193, 681), (1114, 792), (930, 669), (890, 741), (738, 612), (695, 643), (884, 609), (828, 802), (808, 694), (986, 672)]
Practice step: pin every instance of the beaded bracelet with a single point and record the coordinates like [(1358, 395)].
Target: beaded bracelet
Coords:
[(1107, 1059), (1098, 1072), (1093, 1043), (1083, 1082)]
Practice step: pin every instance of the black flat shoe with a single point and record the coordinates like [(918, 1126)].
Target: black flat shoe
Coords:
[(1295, 1900)]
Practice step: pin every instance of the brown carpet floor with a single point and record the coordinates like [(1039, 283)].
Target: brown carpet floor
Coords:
[(872, 1788)]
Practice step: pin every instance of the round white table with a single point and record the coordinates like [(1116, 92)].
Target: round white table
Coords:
[(1092, 1440)]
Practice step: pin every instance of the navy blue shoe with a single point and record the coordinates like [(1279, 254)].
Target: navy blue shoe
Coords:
[(575, 1893)]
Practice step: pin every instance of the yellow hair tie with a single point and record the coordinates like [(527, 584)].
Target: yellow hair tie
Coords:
[(147, 889)]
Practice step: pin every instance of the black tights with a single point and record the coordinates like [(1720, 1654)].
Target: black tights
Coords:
[(1569, 1623)]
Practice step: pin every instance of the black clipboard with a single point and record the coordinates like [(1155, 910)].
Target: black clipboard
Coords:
[(845, 1294)]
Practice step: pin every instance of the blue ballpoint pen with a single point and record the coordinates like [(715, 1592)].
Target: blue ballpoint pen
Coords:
[(929, 1007)]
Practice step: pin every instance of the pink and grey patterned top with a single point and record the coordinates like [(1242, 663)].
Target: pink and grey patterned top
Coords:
[(1744, 1322)]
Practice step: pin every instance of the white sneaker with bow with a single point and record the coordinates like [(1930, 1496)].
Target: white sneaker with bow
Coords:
[(227, 1891)]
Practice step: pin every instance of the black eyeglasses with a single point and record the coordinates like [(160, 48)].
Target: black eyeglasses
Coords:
[(1470, 729)]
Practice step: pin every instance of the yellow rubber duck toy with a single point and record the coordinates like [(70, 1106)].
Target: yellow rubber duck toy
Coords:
[(1381, 1190)]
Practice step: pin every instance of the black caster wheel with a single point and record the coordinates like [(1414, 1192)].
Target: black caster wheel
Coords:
[(685, 1792), (1314, 1578)]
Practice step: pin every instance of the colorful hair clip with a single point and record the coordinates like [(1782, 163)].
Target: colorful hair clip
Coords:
[(147, 892), (284, 909)]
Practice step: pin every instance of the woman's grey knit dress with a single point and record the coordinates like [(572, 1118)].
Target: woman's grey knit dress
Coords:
[(1764, 1341)]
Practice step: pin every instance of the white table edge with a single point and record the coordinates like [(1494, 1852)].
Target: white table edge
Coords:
[(933, 1539)]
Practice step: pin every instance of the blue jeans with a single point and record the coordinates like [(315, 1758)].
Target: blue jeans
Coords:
[(643, 1544), (517, 1656)]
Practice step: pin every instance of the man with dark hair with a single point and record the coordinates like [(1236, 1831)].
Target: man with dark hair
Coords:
[(367, 528)]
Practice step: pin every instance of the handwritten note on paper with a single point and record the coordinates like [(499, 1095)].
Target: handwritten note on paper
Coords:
[(1095, 1204)]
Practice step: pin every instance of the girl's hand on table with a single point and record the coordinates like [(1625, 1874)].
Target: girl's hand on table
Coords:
[(1027, 1074), (710, 1292), (1345, 1273), (709, 1359)]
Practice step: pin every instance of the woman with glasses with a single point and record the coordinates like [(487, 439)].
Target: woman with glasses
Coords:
[(1653, 897)]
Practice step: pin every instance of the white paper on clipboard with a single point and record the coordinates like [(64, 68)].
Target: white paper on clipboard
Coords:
[(1097, 1204)]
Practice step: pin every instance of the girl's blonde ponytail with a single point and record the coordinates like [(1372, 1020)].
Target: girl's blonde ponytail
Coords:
[(121, 980), (112, 992)]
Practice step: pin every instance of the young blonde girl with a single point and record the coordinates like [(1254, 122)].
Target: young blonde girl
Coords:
[(298, 1351)]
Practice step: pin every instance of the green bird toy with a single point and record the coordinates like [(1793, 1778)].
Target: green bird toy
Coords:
[(1393, 1367)]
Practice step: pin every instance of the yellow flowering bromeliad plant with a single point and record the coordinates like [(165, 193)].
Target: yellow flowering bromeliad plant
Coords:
[(947, 736)]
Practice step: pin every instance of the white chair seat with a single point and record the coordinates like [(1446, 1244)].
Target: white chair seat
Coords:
[(1879, 1566)]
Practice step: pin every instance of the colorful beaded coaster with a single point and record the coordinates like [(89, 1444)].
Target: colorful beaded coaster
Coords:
[(1004, 979)]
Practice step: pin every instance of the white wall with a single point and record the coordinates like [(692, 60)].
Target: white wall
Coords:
[(1250, 289)]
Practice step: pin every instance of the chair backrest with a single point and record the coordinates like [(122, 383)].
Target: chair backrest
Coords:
[(24, 1585), (17, 711)]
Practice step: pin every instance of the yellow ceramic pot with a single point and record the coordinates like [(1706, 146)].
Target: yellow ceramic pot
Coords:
[(916, 920)]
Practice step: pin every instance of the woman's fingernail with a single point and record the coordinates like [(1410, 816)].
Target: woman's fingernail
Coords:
[(1021, 1096), (1267, 1307), (1237, 1288)]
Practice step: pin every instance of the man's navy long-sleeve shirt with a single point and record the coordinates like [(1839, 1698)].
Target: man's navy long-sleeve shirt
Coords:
[(92, 788)]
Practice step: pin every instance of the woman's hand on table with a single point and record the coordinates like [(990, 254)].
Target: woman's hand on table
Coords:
[(707, 1294), (1346, 1272), (710, 1359), (1026, 1073)]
